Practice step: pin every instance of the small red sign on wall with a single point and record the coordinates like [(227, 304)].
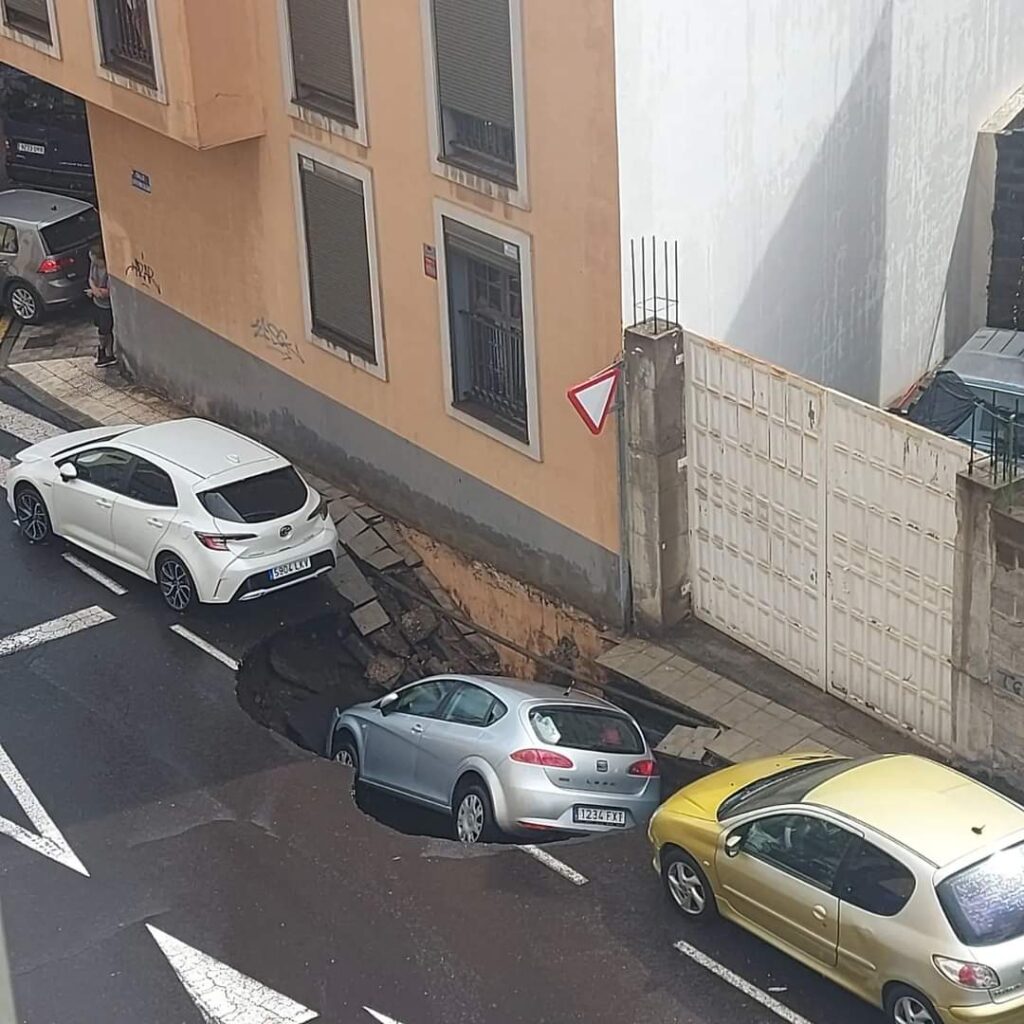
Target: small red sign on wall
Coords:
[(430, 261)]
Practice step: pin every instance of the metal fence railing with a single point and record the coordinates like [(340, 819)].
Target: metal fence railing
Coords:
[(491, 372), (997, 441), (654, 276)]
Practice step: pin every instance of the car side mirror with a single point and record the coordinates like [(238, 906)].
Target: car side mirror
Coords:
[(734, 844), (386, 701), (68, 472)]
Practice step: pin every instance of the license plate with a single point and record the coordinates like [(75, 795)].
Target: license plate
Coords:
[(598, 816), (289, 568), (31, 147)]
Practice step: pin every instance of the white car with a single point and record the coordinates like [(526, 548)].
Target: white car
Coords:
[(209, 515)]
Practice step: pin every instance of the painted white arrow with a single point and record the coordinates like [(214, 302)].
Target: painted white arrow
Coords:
[(380, 1017), (223, 994), (47, 838)]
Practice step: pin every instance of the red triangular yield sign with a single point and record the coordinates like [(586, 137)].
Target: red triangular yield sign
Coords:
[(593, 398)]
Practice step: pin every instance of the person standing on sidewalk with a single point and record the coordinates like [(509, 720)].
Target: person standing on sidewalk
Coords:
[(99, 290)]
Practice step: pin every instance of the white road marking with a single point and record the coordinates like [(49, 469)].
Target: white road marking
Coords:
[(31, 429), (223, 994), (555, 864), (744, 986), (380, 1017), (47, 838), (5, 465), (205, 645), (66, 625), (93, 573)]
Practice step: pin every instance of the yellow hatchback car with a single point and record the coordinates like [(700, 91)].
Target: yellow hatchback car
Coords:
[(898, 878)]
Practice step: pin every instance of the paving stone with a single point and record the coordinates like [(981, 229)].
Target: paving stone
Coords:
[(753, 751), (370, 617), (729, 743), (384, 670), (723, 685), (682, 664), (705, 674), (781, 738), (709, 702), (686, 688), (664, 678), (829, 737), (757, 699), (803, 723), (366, 543), (386, 558), (783, 714), (762, 725), (735, 712), (349, 581), (370, 514), (336, 509), (350, 527), (688, 743)]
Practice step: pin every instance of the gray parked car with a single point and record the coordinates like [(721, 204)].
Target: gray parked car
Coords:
[(502, 756), (44, 251)]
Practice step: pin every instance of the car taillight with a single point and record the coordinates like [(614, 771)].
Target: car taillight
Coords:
[(320, 510), (220, 541), (967, 975), (51, 265), (545, 758), (648, 768)]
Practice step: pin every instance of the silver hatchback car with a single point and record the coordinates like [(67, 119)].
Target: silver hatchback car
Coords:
[(44, 251), (502, 756)]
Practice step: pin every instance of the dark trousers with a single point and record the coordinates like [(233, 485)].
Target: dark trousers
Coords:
[(103, 317)]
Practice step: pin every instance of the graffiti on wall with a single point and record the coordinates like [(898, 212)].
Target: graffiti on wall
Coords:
[(276, 338), (143, 273)]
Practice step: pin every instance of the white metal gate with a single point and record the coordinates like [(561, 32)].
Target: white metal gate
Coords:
[(822, 534)]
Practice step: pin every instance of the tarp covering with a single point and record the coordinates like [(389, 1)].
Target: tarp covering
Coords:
[(945, 404)]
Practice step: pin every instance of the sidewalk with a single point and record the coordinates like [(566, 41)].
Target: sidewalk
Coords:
[(752, 707)]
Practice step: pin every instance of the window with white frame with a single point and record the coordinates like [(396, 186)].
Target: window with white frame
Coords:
[(475, 93), (29, 16), (322, 58), (334, 212), (485, 324)]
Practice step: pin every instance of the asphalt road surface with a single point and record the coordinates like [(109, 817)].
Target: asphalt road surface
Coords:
[(164, 859)]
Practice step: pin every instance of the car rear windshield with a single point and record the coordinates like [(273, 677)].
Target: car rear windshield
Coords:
[(257, 499), (72, 232), (585, 728), (985, 902), (786, 787)]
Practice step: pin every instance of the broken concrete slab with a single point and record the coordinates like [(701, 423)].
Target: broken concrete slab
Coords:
[(384, 670), (688, 743), (337, 510), (367, 543), (386, 558), (350, 527), (418, 624), (349, 581), (370, 514), (370, 617)]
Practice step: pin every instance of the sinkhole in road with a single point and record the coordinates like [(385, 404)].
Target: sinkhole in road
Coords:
[(292, 681)]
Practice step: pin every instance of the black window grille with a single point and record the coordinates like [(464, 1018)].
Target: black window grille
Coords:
[(126, 42)]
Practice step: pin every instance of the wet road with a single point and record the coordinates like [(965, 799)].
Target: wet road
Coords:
[(209, 841)]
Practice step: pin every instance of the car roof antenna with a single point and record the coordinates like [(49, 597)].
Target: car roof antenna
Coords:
[(568, 689)]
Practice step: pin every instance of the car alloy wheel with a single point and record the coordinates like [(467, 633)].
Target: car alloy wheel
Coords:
[(33, 518), (686, 888), (175, 584), (24, 304), (344, 757), (908, 1009), (471, 819)]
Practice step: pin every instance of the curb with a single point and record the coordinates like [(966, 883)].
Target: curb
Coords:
[(46, 400)]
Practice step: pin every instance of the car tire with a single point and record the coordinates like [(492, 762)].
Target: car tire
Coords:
[(346, 752), (473, 814), (177, 587), (904, 1005), (687, 887), (24, 302), (33, 516)]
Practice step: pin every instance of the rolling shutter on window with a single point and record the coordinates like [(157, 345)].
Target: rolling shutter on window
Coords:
[(339, 258), (322, 56), (35, 11), (474, 58)]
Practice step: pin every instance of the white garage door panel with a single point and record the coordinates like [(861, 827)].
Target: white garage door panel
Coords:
[(891, 518), (822, 534), (756, 505)]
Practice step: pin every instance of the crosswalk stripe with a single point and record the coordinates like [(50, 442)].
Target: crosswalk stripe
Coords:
[(5, 465), (66, 625), (31, 429)]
